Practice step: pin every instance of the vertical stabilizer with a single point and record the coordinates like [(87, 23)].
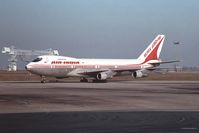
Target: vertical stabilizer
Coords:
[(152, 52)]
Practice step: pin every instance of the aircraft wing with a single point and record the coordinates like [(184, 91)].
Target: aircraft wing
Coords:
[(94, 72)]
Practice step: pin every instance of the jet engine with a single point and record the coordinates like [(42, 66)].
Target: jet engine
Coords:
[(139, 74), (104, 75)]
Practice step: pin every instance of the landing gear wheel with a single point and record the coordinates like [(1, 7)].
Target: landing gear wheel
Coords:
[(83, 80)]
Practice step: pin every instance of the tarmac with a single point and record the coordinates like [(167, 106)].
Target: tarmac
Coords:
[(112, 107)]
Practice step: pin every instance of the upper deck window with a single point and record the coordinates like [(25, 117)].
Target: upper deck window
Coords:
[(37, 60)]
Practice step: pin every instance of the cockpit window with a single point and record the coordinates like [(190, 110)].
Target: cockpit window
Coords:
[(37, 60)]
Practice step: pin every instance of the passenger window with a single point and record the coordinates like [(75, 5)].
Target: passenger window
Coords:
[(37, 60)]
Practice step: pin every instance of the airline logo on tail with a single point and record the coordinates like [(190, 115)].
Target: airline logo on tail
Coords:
[(152, 52)]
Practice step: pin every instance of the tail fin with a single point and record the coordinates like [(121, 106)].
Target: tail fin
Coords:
[(152, 52)]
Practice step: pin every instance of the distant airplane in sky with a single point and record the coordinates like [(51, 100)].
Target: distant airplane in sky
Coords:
[(98, 69)]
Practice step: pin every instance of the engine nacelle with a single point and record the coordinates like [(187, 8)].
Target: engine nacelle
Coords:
[(139, 74), (102, 76), (105, 75)]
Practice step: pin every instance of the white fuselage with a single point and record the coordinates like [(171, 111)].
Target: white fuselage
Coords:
[(60, 66)]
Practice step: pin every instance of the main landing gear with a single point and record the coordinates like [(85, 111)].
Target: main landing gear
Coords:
[(84, 80)]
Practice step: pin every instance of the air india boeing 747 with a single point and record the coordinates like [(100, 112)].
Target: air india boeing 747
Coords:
[(97, 69)]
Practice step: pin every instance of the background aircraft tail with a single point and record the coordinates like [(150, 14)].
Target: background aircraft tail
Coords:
[(152, 52)]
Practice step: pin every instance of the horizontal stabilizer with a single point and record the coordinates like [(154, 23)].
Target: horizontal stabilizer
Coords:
[(163, 62)]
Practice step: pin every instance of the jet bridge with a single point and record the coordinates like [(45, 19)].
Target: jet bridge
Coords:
[(24, 55)]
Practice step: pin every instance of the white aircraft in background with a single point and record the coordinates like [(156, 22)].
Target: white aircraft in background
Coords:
[(97, 69)]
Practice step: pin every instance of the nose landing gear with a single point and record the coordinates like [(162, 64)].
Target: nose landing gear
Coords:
[(43, 79)]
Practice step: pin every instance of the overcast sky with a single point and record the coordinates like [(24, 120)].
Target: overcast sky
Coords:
[(101, 28)]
